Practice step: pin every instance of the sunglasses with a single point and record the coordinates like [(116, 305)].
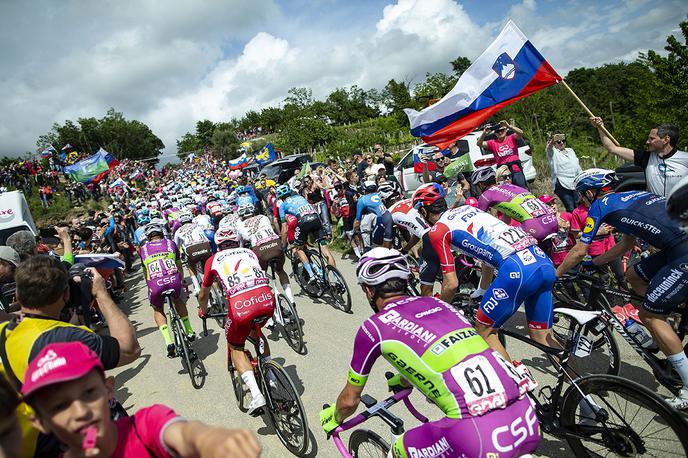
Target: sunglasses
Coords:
[(439, 159), (560, 142), (506, 177)]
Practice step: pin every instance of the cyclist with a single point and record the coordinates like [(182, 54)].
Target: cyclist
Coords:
[(204, 222), (250, 297), (371, 203), (163, 271), (214, 209), (139, 233), (256, 231), (408, 218), (308, 222), (525, 274), (435, 350), (535, 217), (194, 245), (661, 277)]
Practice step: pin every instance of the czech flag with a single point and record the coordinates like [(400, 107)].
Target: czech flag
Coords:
[(508, 70)]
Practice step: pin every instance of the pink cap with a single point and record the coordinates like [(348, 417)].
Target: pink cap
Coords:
[(57, 363), (472, 201), (546, 198)]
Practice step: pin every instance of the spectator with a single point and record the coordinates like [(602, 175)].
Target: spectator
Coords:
[(384, 158), (663, 163), (24, 243), (441, 162), (10, 433), (43, 291), (370, 172), (505, 150), (55, 391), (503, 174), (565, 167), (361, 165)]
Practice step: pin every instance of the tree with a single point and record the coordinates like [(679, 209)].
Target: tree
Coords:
[(204, 133), (186, 145), (305, 133), (460, 65), (397, 96), (435, 86), (225, 142)]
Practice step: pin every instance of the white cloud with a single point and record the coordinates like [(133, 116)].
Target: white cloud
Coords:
[(172, 64)]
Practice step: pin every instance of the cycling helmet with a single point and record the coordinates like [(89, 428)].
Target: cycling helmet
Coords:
[(185, 217), (677, 200), (427, 195), (241, 189), (167, 204), (155, 214), (210, 198), (369, 186), (283, 191), (145, 212), (225, 237), (595, 179), (153, 228), (546, 198), (483, 175), (143, 220), (386, 190), (472, 201), (380, 265), (246, 210)]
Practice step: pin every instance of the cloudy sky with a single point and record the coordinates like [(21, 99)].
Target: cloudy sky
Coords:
[(170, 63)]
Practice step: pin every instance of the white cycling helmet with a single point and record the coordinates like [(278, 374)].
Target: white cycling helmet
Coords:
[(483, 174), (153, 228), (185, 217), (380, 265), (245, 210)]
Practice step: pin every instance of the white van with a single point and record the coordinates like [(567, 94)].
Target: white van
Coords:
[(410, 180), (14, 215)]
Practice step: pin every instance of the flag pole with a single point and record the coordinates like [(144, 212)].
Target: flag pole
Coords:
[(604, 129)]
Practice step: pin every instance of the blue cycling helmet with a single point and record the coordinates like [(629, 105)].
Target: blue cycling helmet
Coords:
[(241, 189), (145, 212), (143, 219), (595, 179), (283, 191)]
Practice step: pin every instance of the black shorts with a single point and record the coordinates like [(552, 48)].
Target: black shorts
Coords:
[(198, 253), (268, 251), (309, 224), (667, 274)]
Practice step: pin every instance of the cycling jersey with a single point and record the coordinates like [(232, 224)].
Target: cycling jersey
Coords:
[(477, 234), (370, 203), (256, 230), (435, 348), (537, 218), (404, 215), (637, 213), (296, 205), (204, 222), (159, 259), (229, 222), (237, 269), (189, 237)]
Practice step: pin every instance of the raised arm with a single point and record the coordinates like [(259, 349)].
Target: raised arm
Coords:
[(624, 153)]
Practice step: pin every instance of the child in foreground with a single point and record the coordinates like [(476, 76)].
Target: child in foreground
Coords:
[(67, 387)]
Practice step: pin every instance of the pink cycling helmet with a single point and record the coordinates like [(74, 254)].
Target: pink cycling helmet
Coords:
[(546, 198), (472, 201)]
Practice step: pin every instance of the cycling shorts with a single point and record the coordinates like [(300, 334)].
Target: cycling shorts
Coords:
[(243, 308), (210, 235), (309, 224), (505, 433), (198, 253), (382, 231), (525, 277), (160, 285), (667, 274), (268, 251), (430, 269)]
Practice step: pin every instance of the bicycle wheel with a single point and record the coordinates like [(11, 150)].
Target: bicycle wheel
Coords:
[(303, 277), (240, 391), (285, 409), (338, 288), (633, 421), (291, 324), (365, 443), (187, 354), (218, 304), (604, 354)]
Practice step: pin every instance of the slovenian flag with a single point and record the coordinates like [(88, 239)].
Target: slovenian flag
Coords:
[(238, 163), (48, 152), (508, 70)]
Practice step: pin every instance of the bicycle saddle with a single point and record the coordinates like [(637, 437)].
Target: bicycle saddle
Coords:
[(582, 316)]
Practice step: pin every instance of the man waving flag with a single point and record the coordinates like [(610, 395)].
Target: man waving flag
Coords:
[(509, 69)]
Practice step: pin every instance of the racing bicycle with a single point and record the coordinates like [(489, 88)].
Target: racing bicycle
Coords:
[(283, 403), (328, 282), (191, 363), (286, 316)]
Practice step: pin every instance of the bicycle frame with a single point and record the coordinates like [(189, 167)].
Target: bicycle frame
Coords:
[(381, 410), (662, 373)]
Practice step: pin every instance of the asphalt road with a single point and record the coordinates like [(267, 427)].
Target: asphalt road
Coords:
[(319, 375)]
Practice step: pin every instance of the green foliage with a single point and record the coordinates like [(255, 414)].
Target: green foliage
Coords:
[(460, 65), (119, 136), (225, 142), (305, 133)]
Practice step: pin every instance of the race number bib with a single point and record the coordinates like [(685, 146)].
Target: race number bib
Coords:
[(482, 388), (516, 238), (532, 208), (161, 267)]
